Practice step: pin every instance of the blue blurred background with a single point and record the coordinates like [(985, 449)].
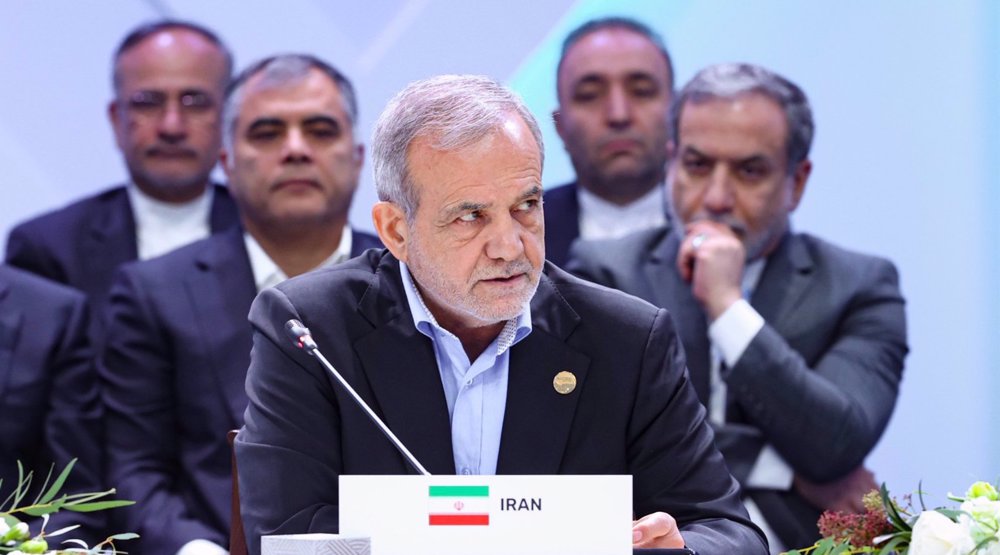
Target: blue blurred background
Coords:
[(906, 158)]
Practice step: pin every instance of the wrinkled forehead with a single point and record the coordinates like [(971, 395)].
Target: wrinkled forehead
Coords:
[(503, 163), (745, 117)]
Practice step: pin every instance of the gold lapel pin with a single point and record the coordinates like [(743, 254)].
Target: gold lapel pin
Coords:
[(564, 382)]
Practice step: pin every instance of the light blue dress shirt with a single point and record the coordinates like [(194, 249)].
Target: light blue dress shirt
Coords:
[(476, 391)]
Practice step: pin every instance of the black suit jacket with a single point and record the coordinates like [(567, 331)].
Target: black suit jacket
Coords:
[(83, 244), (633, 410), (818, 382), (48, 394), (562, 222), (178, 346)]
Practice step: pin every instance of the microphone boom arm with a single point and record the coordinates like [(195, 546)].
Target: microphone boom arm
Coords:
[(303, 339)]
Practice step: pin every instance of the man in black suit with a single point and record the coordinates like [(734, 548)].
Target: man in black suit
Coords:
[(614, 84), (795, 345), (169, 78), (461, 341), (178, 342), (48, 395)]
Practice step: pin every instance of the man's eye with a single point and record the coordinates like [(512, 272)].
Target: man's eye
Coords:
[(644, 90), (145, 101), (323, 132), (197, 101), (753, 171), (696, 165), (528, 205), (587, 93), (469, 217), (263, 135)]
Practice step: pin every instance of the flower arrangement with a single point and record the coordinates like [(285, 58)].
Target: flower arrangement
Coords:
[(16, 537), (888, 527)]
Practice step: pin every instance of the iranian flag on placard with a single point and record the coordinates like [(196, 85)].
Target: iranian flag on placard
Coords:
[(459, 506)]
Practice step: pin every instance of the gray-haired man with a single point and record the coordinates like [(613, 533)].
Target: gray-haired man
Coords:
[(455, 334), (795, 345)]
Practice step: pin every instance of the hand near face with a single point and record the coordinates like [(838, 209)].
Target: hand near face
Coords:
[(711, 259), (656, 530)]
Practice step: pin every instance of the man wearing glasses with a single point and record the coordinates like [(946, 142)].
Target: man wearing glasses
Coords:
[(168, 79)]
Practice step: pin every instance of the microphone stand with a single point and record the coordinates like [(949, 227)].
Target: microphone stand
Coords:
[(303, 339)]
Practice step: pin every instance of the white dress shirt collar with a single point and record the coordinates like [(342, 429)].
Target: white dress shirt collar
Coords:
[(600, 219), (267, 274), (161, 227)]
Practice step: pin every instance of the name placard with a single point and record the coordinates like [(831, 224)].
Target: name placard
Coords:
[(489, 515)]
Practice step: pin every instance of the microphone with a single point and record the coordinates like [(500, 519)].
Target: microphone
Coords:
[(302, 338)]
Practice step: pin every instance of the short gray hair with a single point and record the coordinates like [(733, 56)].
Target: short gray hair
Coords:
[(729, 81), (277, 71), (456, 110)]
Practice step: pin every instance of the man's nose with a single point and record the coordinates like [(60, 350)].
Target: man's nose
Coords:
[(720, 194), (505, 241), (619, 108), (296, 147), (172, 126)]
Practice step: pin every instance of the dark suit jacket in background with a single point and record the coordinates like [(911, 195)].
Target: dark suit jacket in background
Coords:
[(83, 244), (562, 222), (49, 399), (633, 410), (818, 382), (178, 347)]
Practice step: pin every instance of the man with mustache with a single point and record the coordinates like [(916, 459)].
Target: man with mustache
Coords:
[(178, 343), (795, 345), (168, 80), (459, 335), (614, 83)]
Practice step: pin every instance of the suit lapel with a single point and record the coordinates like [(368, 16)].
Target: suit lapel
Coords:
[(108, 243), (784, 281), (665, 288), (562, 222), (220, 291), (404, 379), (537, 421), (224, 214), (10, 325)]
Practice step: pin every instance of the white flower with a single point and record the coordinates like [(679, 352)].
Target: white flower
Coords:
[(982, 509), (936, 534), (4, 527), (982, 519)]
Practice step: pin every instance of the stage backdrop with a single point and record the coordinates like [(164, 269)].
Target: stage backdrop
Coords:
[(907, 152)]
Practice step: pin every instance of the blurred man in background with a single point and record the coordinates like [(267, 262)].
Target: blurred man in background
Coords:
[(168, 78), (615, 82), (178, 342), (795, 345)]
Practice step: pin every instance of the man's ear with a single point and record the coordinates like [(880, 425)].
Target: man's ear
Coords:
[(390, 224), (358, 159), (114, 116), (557, 120), (224, 164), (799, 179)]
